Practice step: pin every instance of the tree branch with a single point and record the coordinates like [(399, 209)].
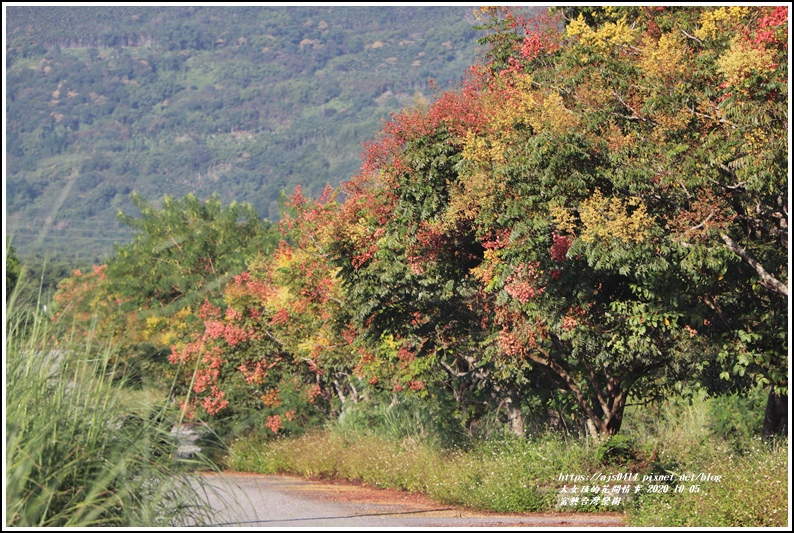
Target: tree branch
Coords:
[(691, 37), (451, 371), (590, 370), (635, 115), (693, 228), (767, 279), (339, 392), (547, 361)]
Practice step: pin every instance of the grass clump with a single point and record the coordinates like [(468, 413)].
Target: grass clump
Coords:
[(75, 454), (509, 475)]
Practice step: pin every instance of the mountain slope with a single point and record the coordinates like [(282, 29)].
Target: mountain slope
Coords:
[(243, 101)]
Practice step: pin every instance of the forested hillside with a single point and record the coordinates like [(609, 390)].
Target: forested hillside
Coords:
[(242, 101)]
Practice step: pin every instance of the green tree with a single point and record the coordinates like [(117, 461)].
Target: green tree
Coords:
[(13, 270), (181, 255), (576, 188), (184, 250)]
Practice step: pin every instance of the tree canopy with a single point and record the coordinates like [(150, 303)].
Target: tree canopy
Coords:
[(599, 213)]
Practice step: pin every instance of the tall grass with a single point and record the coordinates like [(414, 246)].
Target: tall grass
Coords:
[(717, 437), (75, 454)]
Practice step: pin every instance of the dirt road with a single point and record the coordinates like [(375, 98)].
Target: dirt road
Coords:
[(248, 500)]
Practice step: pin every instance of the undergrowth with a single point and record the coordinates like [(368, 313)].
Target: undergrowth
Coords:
[(507, 474)]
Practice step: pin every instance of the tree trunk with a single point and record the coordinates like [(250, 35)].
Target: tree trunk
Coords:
[(515, 418), (615, 417), (775, 415), (603, 423)]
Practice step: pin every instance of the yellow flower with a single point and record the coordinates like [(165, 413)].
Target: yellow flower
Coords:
[(608, 218), (610, 34), (713, 22)]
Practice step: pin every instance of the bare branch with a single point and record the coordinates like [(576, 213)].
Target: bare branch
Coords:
[(339, 392), (693, 228), (451, 371), (273, 338), (710, 117), (767, 279), (691, 37)]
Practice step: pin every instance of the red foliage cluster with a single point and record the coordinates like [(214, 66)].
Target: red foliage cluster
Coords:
[(517, 335), (416, 385), (416, 264), (349, 334), (542, 38), (273, 423), (496, 240), (559, 247), (405, 355), (188, 409), (430, 242), (766, 32), (378, 154), (368, 249), (573, 318), (281, 318), (777, 17), (511, 345), (208, 310), (205, 377), (257, 375), (187, 353), (99, 271), (233, 335), (523, 284), (457, 112), (215, 402), (297, 198), (418, 319), (314, 392)]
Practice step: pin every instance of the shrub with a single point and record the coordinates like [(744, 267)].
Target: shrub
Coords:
[(617, 449), (509, 474)]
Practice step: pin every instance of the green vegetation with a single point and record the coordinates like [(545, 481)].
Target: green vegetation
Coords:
[(509, 249), (81, 450), (576, 262), (506, 474), (12, 270), (146, 296)]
